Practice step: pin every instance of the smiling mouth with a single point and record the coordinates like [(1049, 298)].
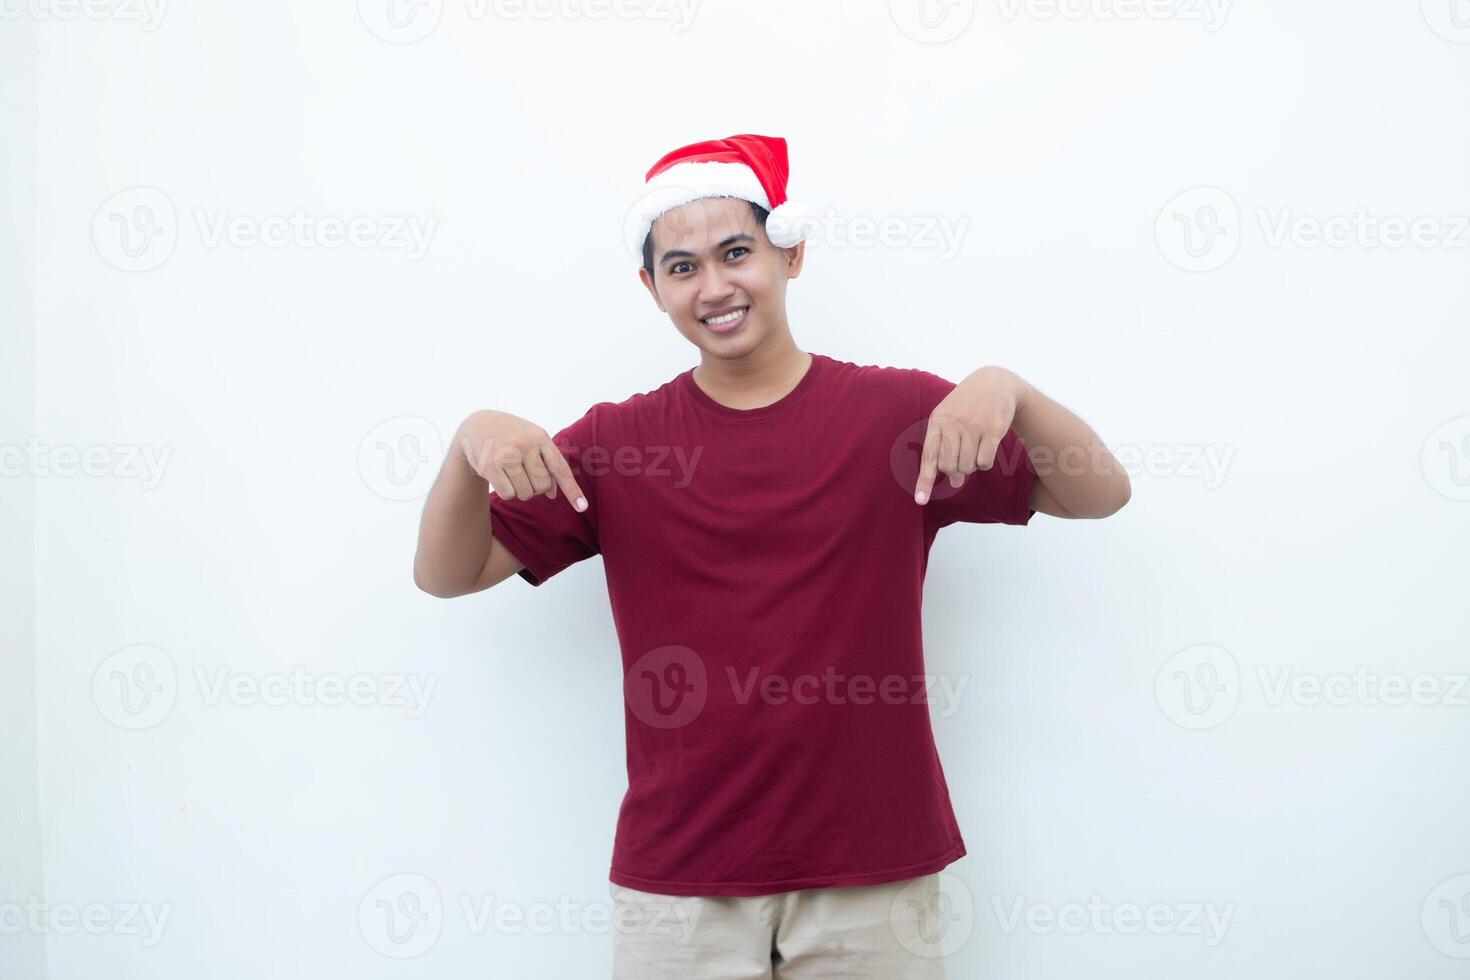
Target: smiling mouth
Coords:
[(726, 321)]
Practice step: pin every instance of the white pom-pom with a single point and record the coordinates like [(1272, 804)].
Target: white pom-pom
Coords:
[(788, 224)]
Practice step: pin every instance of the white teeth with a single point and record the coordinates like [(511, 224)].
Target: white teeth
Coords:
[(730, 317)]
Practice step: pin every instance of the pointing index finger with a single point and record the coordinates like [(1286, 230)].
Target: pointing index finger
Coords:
[(928, 463), (561, 472)]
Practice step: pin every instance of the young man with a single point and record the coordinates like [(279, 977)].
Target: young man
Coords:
[(764, 520)]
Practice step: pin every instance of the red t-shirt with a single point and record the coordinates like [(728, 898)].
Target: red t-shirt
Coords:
[(765, 569)]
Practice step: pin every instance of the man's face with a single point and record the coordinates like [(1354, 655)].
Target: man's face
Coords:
[(711, 257)]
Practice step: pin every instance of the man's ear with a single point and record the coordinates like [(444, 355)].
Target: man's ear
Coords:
[(795, 256), (652, 291)]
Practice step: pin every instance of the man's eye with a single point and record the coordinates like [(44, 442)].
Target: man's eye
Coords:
[(737, 248), (674, 269)]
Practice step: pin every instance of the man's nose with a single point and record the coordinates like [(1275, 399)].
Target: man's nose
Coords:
[(715, 287)]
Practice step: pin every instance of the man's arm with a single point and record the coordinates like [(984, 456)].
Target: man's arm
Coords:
[(456, 553), (1076, 475)]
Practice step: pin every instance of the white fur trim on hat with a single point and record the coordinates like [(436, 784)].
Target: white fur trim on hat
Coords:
[(789, 224), (685, 182)]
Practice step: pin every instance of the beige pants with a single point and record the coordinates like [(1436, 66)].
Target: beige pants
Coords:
[(870, 932)]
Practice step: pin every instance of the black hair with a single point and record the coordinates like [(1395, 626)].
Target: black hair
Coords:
[(755, 209)]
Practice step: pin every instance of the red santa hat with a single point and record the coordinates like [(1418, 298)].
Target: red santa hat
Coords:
[(746, 166)]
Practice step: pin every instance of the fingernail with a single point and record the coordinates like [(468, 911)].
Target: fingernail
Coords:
[(920, 497), (581, 503)]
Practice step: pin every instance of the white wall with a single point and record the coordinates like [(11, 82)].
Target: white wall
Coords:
[(22, 951), (268, 418)]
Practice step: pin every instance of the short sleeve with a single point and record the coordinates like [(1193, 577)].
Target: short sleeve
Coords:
[(548, 534), (999, 495)]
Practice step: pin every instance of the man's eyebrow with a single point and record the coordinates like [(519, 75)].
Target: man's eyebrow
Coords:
[(724, 244)]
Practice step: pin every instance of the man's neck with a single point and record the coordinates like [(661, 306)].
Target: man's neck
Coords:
[(756, 380)]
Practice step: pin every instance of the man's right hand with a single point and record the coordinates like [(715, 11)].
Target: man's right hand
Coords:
[(516, 457)]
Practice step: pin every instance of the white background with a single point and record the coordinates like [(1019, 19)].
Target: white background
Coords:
[(297, 394)]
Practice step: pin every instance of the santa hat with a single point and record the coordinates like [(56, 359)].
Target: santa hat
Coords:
[(748, 167)]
